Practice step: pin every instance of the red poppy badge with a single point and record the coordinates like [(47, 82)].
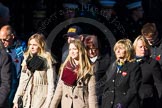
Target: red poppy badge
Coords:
[(16, 60), (158, 57), (124, 74)]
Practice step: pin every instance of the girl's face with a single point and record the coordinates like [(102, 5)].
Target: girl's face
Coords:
[(33, 46), (141, 49), (120, 52), (73, 51)]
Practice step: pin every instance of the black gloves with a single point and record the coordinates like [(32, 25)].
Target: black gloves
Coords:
[(36, 63)]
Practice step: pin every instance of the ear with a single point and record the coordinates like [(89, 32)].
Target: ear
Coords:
[(81, 37), (13, 36)]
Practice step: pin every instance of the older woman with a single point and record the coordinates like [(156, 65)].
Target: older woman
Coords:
[(37, 75), (76, 86), (151, 85), (123, 76)]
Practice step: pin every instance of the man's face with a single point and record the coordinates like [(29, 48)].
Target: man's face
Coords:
[(70, 39), (151, 37), (150, 40), (6, 38), (92, 52)]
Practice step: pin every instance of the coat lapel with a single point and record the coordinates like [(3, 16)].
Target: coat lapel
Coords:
[(122, 74), (110, 72)]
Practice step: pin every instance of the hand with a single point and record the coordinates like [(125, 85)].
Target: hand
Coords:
[(119, 105), (15, 105)]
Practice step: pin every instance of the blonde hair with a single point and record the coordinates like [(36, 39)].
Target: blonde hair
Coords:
[(84, 64), (127, 45), (39, 38), (145, 42)]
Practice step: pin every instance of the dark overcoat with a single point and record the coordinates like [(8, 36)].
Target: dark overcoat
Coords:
[(122, 87)]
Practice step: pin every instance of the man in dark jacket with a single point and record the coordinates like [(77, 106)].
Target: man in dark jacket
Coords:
[(100, 62), (150, 32), (5, 76), (15, 48)]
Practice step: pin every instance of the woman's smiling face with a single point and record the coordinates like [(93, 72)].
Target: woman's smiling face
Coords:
[(73, 51)]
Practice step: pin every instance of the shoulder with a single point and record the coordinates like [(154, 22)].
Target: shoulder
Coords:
[(132, 65), (49, 57), (3, 53), (5, 57), (153, 62)]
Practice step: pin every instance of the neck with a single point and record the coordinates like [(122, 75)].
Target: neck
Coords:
[(121, 60), (75, 62)]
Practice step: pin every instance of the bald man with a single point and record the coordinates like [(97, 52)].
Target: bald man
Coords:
[(15, 48)]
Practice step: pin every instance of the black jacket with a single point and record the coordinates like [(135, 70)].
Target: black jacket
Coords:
[(151, 79), (122, 87), (5, 77)]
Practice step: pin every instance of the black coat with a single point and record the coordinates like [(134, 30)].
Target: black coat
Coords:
[(122, 87), (151, 85), (156, 52), (151, 78), (5, 77), (100, 66)]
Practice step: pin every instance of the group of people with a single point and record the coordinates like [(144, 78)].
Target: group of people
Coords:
[(86, 77), (134, 80)]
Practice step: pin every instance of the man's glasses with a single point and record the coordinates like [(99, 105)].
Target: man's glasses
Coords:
[(8, 37), (4, 40), (92, 49)]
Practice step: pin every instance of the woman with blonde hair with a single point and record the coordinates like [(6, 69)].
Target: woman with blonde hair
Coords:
[(76, 85), (151, 85), (36, 84), (122, 80)]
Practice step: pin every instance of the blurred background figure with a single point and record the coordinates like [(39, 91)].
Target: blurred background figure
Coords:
[(5, 76), (107, 7), (150, 90), (152, 12), (151, 33), (4, 15), (134, 21), (15, 48), (70, 10)]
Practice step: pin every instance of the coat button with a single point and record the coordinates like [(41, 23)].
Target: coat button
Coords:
[(75, 97), (113, 80), (112, 91), (111, 102), (124, 93), (66, 95), (80, 83)]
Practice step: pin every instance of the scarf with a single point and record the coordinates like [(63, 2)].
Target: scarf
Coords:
[(69, 75)]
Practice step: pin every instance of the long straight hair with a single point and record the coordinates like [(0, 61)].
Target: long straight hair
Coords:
[(39, 38), (84, 64)]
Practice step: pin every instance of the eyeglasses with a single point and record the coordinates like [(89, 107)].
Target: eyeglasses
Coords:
[(92, 49), (4, 40), (7, 39)]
